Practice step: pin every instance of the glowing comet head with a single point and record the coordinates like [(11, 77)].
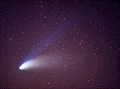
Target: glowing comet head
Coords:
[(30, 64), (26, 65)]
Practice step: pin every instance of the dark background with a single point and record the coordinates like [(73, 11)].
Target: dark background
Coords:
[(86, 55)]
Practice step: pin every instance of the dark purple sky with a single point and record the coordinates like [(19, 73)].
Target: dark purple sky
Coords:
[(83, 54)]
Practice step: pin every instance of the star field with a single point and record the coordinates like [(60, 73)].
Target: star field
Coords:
[(75, 43)]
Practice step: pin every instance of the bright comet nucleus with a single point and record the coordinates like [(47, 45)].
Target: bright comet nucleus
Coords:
[(35, 63), (25, 65)]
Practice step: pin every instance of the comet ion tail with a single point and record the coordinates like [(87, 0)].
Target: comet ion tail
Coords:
[(35, 63)]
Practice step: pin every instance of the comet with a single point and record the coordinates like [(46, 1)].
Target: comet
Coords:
[(51, 36)]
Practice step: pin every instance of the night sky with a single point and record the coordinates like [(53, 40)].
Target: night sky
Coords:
[(76, 44)]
